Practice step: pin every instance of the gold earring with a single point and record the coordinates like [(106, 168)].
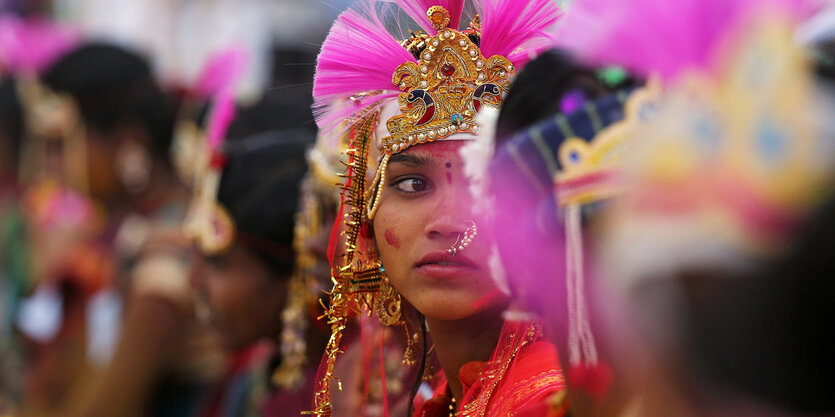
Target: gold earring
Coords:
[(464, 240), (410, 354), (388, 305), (429, 372)]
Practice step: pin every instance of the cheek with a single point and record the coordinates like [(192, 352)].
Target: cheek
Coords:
[(396, 232), (392, 239)]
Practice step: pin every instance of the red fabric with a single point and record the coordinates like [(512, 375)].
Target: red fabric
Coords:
[(596, 379), (537, 359)]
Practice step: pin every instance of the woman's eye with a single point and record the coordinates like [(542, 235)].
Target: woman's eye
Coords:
[(412, 185)]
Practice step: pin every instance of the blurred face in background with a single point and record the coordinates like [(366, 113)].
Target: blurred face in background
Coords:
[(244, 300)]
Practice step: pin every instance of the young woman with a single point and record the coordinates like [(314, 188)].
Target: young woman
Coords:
[(415, 249)]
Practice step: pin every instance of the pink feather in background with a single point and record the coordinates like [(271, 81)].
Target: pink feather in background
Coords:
[(31, 45), (221, 71), (217, 82), (661, 37)]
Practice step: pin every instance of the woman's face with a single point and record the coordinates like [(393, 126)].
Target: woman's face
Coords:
[(243, 300), (425, 207)]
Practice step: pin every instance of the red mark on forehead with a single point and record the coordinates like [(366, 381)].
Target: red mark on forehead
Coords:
[(392, 239), (448, 177)]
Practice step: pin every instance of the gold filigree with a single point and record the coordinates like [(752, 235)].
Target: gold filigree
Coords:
[(445, 89), (438, 16)]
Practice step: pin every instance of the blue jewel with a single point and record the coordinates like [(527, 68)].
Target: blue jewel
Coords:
[(456, 118)]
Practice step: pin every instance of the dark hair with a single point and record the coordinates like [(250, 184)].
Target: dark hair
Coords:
[(113, 86), (260, 188), (11, 117), (767, 332), (538, 90)]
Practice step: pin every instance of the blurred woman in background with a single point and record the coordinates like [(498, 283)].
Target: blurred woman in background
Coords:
[(116, 126), (253, 291)]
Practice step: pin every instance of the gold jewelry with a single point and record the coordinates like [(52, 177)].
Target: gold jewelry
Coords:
[(429, 372), (388, 305), (443, 91), (410, 355), (377, 184), (464, 240)]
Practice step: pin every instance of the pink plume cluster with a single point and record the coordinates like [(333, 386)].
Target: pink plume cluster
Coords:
[(416, 9), (359, 55), (32, 45), (516, 29), (662, 37)]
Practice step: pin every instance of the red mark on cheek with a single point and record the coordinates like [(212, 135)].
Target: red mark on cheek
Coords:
[(449, 178), (392, 239)]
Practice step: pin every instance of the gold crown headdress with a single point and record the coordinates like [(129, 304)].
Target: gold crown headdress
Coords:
[(445, 89)]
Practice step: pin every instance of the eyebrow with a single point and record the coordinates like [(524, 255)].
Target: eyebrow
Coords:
[(412, 160)]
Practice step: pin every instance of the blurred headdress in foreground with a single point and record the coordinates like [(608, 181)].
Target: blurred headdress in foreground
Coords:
[(739, 147)]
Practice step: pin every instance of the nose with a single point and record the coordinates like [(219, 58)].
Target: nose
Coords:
[(446, 225)]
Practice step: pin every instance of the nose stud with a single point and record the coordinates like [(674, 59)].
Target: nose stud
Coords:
[(464, 240)]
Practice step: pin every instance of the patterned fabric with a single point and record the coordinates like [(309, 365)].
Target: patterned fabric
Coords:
[(524, 370), (533, 152)]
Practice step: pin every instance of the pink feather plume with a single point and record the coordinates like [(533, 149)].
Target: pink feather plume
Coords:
[(416, 9), (359, 55), (220, 72), (217, 82), (661, 36), (223, 113), (516, 29), (32, 45)]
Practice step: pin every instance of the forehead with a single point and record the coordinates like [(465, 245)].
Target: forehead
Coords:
[(446, 149)]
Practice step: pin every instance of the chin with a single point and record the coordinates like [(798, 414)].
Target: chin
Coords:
[(450, 307)]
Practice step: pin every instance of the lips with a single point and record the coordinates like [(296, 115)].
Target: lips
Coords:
[(444, 265)]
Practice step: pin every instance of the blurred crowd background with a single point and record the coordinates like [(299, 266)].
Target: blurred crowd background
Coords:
[(121, 294)]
